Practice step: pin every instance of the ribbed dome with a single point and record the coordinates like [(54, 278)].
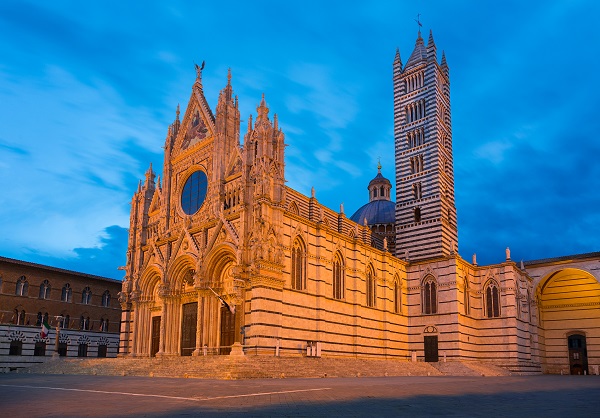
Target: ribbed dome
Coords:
[(376, 212)]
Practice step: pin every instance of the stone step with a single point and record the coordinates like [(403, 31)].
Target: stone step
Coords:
[(248, 367)]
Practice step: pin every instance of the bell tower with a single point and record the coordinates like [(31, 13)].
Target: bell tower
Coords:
[(426, 224)]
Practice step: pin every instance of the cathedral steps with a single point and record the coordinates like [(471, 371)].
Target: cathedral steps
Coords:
[(253, 367)]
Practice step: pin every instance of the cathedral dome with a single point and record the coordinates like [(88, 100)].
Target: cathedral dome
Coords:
[(376, 212), (379, 210)]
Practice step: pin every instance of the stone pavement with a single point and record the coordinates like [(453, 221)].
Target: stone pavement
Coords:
[(31, 395)]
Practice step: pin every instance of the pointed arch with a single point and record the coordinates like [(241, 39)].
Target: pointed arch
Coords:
[(466, 297), (397, 294), (293, 208), (371, 289), (429, 295), (339, 282), (298, 264), (492, 299)]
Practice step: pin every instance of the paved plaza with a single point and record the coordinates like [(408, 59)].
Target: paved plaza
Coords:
[(30, 395)]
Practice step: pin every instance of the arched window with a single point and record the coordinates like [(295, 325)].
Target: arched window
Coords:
[(19, 316), (338, 277), (397, 297), (45, 290), (64, 321), (429, 296), (371, 288), (84, 323), (466, 300), (39, 319), (106, 299), (298, 269), (22, 286), (67, 293), (86, 296), (104, 324), (492, 300)]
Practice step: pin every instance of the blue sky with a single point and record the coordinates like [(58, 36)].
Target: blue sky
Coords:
[(88, 89)]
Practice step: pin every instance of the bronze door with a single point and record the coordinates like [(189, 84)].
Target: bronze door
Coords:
[(155, 336), (431, 348), (578, 362), (189, 319), (227, 330)]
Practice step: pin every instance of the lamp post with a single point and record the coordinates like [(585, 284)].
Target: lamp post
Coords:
[(58, 320)]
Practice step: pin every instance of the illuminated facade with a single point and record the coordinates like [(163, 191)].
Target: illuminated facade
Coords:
[(385, 283)]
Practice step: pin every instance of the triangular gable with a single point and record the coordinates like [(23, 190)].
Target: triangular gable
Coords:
[(198, 123), (156, 203), (235, 164)]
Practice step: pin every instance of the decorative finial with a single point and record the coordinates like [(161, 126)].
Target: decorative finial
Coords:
[(507, 253), (418, 20), (342, 207), (177, 112), (312, 192), (379, 165), (229, 76), (474, 262)]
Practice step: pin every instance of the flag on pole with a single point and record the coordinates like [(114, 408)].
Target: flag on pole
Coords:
[(45, 329), (231, 308)]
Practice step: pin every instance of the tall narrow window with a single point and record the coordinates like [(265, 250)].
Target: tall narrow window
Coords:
[(45, 290), (417, 214), (86, 296), (338, 277), (397, 297), (371, 288), (104, 324), (67, 293), (22, 286), (492, 300), (106, 299), (429, 296), (466, 301), (298, 270), (64, 321)]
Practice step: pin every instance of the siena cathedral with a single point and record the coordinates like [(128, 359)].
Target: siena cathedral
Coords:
[(225, 259)]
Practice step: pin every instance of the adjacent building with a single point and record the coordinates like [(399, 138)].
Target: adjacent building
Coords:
[(82, 306)]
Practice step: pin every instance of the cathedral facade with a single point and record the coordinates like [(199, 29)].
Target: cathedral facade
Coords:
[(224, 258)]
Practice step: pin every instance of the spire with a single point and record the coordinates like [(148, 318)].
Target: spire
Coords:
[(419, 54), (444, 64), (379, 166), (397, 62), (262, 110), (250, 123), (177, 113), (431, 48), (229, 76)]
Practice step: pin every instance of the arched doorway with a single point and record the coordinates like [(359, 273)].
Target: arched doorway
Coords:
[(569, 320)]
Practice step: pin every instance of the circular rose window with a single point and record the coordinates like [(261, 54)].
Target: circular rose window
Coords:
[(194, 192)]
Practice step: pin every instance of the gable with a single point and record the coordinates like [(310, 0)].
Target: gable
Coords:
[(198, 123)]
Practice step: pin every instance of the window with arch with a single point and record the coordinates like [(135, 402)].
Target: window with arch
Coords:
[(397, 296), (371, 288), (86, 296), (45, 290), (106, 299), (338, 277), (104, 324), (64, 321), (466, 301), (492, 300), (67, 293), (429, 296), (19, 316), (22, 286), (298, 265), (84, 323)]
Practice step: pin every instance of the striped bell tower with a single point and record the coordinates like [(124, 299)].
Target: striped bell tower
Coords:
[(425, 210)]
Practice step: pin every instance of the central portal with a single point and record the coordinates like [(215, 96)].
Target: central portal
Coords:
[(189, 319), (227, 330)]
